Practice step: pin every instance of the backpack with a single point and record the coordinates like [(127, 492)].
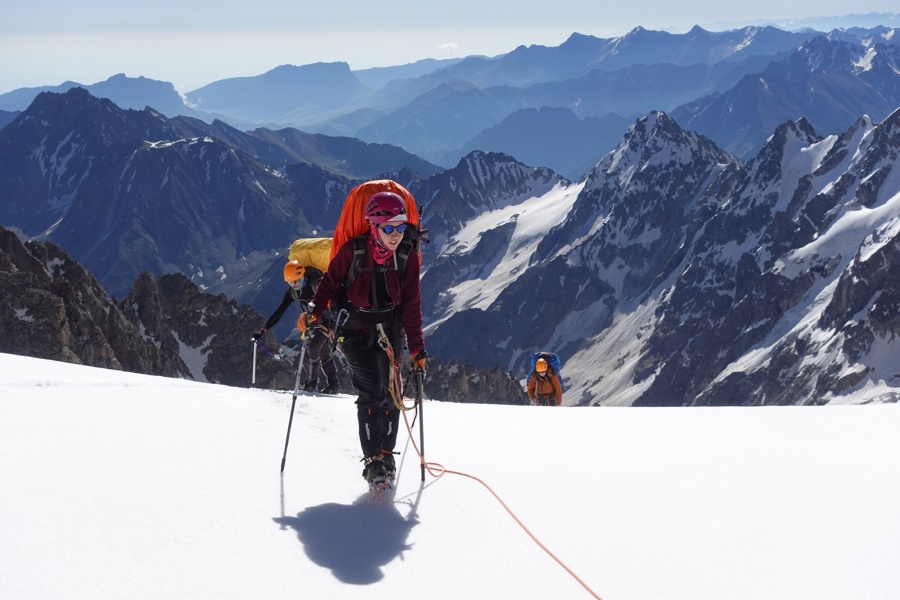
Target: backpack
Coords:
[(312, 252), (554, 363), (352, 224), (352, 221)]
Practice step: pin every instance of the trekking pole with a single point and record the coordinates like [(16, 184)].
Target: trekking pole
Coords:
[(287, 438), (420, 382), (253, 377)]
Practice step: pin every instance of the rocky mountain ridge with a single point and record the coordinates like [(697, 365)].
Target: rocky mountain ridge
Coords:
[(683, 275), (127, 191), (52, 307)]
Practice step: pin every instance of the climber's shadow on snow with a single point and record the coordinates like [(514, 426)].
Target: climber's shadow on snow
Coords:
[(354, 541)]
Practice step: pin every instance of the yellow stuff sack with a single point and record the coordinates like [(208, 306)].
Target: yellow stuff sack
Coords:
[(312, 252)]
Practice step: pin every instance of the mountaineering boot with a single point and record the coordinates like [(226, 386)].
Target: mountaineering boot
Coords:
[(375, 473), (309, 386), (389, 465), (332, 385)]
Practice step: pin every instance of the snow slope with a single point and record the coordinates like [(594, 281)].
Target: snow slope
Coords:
[(115, 485)]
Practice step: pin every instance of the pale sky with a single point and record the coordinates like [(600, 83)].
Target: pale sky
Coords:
[(193, 43)]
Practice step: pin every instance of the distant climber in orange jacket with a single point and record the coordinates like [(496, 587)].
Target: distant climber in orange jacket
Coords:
[(544, 388)]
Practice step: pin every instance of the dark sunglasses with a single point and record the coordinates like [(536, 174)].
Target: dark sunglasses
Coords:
[(391, 228)]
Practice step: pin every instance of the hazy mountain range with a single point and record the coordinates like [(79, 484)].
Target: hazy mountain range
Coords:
[(561, 107)]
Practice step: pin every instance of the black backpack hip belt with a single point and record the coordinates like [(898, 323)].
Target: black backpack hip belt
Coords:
[(362, 318)]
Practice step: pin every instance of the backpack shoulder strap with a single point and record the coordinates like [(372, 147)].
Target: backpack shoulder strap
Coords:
[(405, 248), (359, 258)]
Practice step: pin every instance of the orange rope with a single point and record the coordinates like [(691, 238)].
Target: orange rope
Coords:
[(437, 470), (395, 382)]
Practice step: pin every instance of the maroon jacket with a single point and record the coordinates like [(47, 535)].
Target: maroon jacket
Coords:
[(405, 295)]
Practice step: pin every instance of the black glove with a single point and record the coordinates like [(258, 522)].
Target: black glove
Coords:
[(259, 334)]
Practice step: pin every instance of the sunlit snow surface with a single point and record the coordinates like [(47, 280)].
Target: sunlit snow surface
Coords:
[(114, 485)]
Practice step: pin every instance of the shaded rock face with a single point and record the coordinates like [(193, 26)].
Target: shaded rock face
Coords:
[(457, 382), (214, 332), (52, 307), (210, 332)]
